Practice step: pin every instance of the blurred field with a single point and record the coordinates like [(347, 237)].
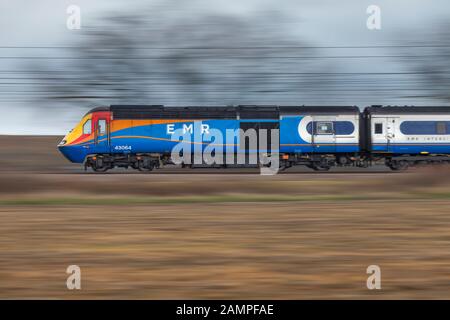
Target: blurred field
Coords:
[(214, 235)]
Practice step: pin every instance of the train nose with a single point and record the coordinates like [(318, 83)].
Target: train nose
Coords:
[(65, 152), (63, 149), (72, 153)]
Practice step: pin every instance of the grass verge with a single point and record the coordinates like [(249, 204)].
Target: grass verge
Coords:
[(142, 200)]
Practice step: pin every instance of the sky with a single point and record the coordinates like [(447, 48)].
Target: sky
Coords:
[(322, 24)]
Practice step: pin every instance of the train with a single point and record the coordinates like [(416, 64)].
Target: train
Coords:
[(318, 137)]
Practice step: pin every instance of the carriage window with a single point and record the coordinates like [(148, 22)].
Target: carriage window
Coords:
[(101, 126), (425, 127), (324, 128), (441, 128), (340, 127), (378, 128), (87, 127)]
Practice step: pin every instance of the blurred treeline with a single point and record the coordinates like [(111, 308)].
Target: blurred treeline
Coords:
[(168, 56)]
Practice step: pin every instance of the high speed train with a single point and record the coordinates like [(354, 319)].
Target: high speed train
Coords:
[(319, 137)]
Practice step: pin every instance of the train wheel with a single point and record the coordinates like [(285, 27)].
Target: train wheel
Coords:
[(399, 165), (99, 169), (321, 168), (144, 168)]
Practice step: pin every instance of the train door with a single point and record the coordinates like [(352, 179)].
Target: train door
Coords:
[(101, 134), (383, 133), (323, 134), (390, 133), (263, 130)]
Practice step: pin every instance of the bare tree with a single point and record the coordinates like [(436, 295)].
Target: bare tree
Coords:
[(208, 59), (434, 65)]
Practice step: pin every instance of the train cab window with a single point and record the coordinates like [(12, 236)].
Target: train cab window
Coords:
[(101, 126), (324, 128), (87, 127), (378, 128), (441, 128)]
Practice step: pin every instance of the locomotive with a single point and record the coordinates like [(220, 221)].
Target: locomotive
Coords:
[(319, 137)]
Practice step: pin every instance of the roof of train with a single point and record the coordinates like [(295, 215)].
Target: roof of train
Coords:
[(251, 111), (405, 109), (218, 112)]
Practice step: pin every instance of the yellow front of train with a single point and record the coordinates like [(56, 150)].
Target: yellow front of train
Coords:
[(76, 144)]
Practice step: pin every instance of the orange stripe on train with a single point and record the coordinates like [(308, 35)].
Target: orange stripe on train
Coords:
[(117, 125)]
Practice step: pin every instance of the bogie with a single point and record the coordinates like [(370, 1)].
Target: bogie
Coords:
[(104, 162)]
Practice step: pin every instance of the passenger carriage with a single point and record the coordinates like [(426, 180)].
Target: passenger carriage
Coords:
[(408, 135)]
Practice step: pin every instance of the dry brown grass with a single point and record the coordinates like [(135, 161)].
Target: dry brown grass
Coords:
[(276, 250)]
